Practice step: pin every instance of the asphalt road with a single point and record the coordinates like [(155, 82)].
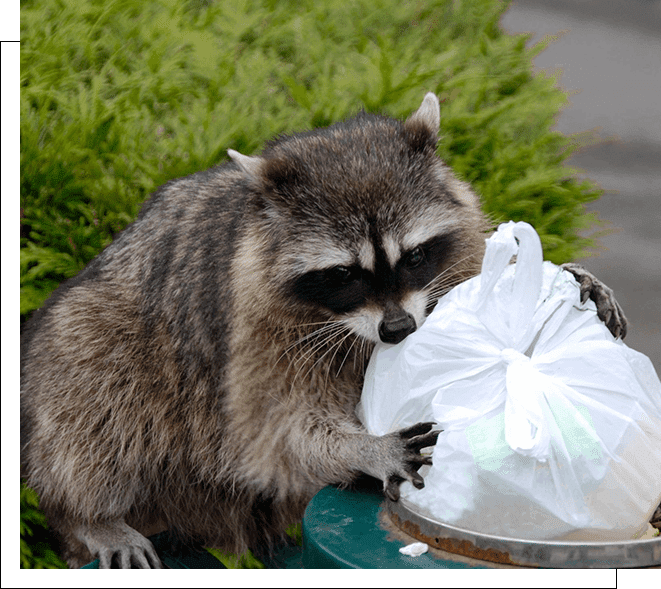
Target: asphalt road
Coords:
[(609, 52)]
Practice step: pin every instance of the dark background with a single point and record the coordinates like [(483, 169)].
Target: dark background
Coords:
[(610, 55)]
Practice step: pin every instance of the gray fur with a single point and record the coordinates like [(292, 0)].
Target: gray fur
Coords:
[(189, 379)]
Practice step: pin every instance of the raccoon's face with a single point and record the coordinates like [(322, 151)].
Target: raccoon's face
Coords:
[(383, 287), (364, 225)]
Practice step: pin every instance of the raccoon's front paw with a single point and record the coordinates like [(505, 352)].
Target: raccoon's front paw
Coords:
[(608, 309), (117, 545), (404, 458)]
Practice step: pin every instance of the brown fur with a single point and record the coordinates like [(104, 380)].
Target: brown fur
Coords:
[(180, 380)]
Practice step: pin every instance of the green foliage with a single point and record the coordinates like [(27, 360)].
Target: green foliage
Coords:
[(248, 560), (36, 552), (119, 96), (233, 561)]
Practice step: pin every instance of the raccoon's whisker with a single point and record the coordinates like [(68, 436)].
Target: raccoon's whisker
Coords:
[(447, 280), (359, 355), (444, 273), (302, 357), (333, 346), (442, 288), (336, 346), (327, 327), (313, 334), (327, 322), (306, 354), (438, 294), (367, 349), (353, 343), (327, 332), (453, 279)]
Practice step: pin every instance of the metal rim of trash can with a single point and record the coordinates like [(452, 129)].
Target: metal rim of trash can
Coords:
[(520, 552)]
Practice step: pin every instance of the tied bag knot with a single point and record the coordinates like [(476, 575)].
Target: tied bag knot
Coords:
[(526, 406), (510, 355)]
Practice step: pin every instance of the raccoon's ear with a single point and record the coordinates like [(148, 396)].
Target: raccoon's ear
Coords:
[(282, 174), (251, 166), (421, 128), (429, 113)]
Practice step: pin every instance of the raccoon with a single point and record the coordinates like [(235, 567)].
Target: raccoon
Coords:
[(201, 373)]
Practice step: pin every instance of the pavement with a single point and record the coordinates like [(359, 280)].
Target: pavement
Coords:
[(609, 52)]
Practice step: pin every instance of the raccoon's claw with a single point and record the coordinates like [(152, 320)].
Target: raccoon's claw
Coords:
[(117, 545), (129, 557), (608, 309), (416, 430), (419, 436), (414, 438), (391, 487)]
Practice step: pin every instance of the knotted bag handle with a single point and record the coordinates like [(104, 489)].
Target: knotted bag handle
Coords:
[(511, 239)]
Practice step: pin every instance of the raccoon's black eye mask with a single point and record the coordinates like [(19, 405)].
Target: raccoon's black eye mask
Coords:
[(342, 275), (340, 289), (420, 265), (343, 289)]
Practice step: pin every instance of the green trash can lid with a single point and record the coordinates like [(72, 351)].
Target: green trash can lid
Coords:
[(342, 528)]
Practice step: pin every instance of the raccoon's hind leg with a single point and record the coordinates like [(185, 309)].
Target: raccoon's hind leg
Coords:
[(118, 545), (608, 309), (100, 423)]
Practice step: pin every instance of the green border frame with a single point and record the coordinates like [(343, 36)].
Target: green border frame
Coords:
[(12, 576)]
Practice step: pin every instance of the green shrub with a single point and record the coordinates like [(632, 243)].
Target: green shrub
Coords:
[(119, 96), (36, 550)]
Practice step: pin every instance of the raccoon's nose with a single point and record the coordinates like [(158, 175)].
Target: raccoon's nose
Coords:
[(395, 327)]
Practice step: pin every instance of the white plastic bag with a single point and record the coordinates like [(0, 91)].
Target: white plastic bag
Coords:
[(552, 428)]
